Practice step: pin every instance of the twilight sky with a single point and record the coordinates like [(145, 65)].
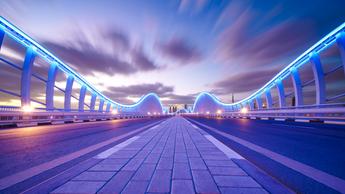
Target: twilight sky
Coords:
[(176, 48)]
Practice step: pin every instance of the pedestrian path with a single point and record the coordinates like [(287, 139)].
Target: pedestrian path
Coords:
[(173, 157)]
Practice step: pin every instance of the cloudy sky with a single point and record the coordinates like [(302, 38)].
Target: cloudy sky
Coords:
[(176, 48)]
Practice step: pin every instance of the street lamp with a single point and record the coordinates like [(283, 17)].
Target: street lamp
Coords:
[(27, 108), (244, 110)]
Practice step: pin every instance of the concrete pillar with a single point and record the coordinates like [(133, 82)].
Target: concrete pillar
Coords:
[(82, 98), (259, 102), (68, 93), (341, 46), (2, 36), (93, 102), (50, 86), (268, 99), (281, 93), (101, 103), (319, 79), (108, 107), (26, 76), (297, 84)]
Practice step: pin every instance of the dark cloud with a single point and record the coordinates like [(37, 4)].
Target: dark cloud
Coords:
[(181, 51), (257, 48), (243, 82), (180, 99), (87, 59)]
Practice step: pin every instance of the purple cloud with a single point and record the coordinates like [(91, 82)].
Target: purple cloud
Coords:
[(180, 51)]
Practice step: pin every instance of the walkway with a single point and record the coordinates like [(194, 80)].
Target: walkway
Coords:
[(173, 157)]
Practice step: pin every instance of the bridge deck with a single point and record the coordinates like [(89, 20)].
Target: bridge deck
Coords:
[(173, 157)]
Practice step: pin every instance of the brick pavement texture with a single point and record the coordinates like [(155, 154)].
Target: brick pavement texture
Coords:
[(174, 157)]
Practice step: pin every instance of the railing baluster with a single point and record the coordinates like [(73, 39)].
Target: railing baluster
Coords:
[(108, 107), (2, 35), (259, 102), (341, 46), (268, 99)]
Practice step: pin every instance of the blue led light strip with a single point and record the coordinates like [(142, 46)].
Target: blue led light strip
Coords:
[(25, 40), (321, 45)]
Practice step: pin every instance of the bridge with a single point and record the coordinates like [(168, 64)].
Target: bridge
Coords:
[(286, 137)]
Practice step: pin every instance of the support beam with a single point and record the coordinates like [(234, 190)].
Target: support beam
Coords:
[(26, 76), (281, 94), (259, 102), (268, 99), (108, 107), (341, 46), (82, 98), (101, 103), (2, 36), (319, 79), (251, 104), (50, 86), (93, 102), (68, 93), (296, 80)]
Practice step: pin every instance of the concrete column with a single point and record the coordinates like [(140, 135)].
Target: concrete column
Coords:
[(297, 84), (101, 103), (341, 46), (268, 99), (68, 93), (108, 107), (50, 86), (93, 102), (251, 104), (319, 79), (281, 94), (26, 76), (259, 102), (82, 98), (2, 35)]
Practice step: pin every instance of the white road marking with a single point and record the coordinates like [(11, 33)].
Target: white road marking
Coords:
[(28, 173), (329, 180), (225, 149), (116, 148)]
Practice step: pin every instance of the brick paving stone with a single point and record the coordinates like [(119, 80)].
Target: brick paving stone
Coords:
[(135, 187), (117, 183), (152, 158), (228, 163), (144, 172), (181, 171), (182, 187), (160, 181), (220, 170), (197, 164), (204, 182), (181, 157), (94, 176), (235, 181), (165, 164), (79, 187), (114, 161), (133, 164), (232, 190), (106, 167)]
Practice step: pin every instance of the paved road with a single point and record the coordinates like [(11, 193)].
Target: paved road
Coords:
[(320, 146), (23, 148)]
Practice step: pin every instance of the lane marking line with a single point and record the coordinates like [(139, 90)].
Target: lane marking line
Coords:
[(222, 147), (28, 173), (116, 148), (329, 180)]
